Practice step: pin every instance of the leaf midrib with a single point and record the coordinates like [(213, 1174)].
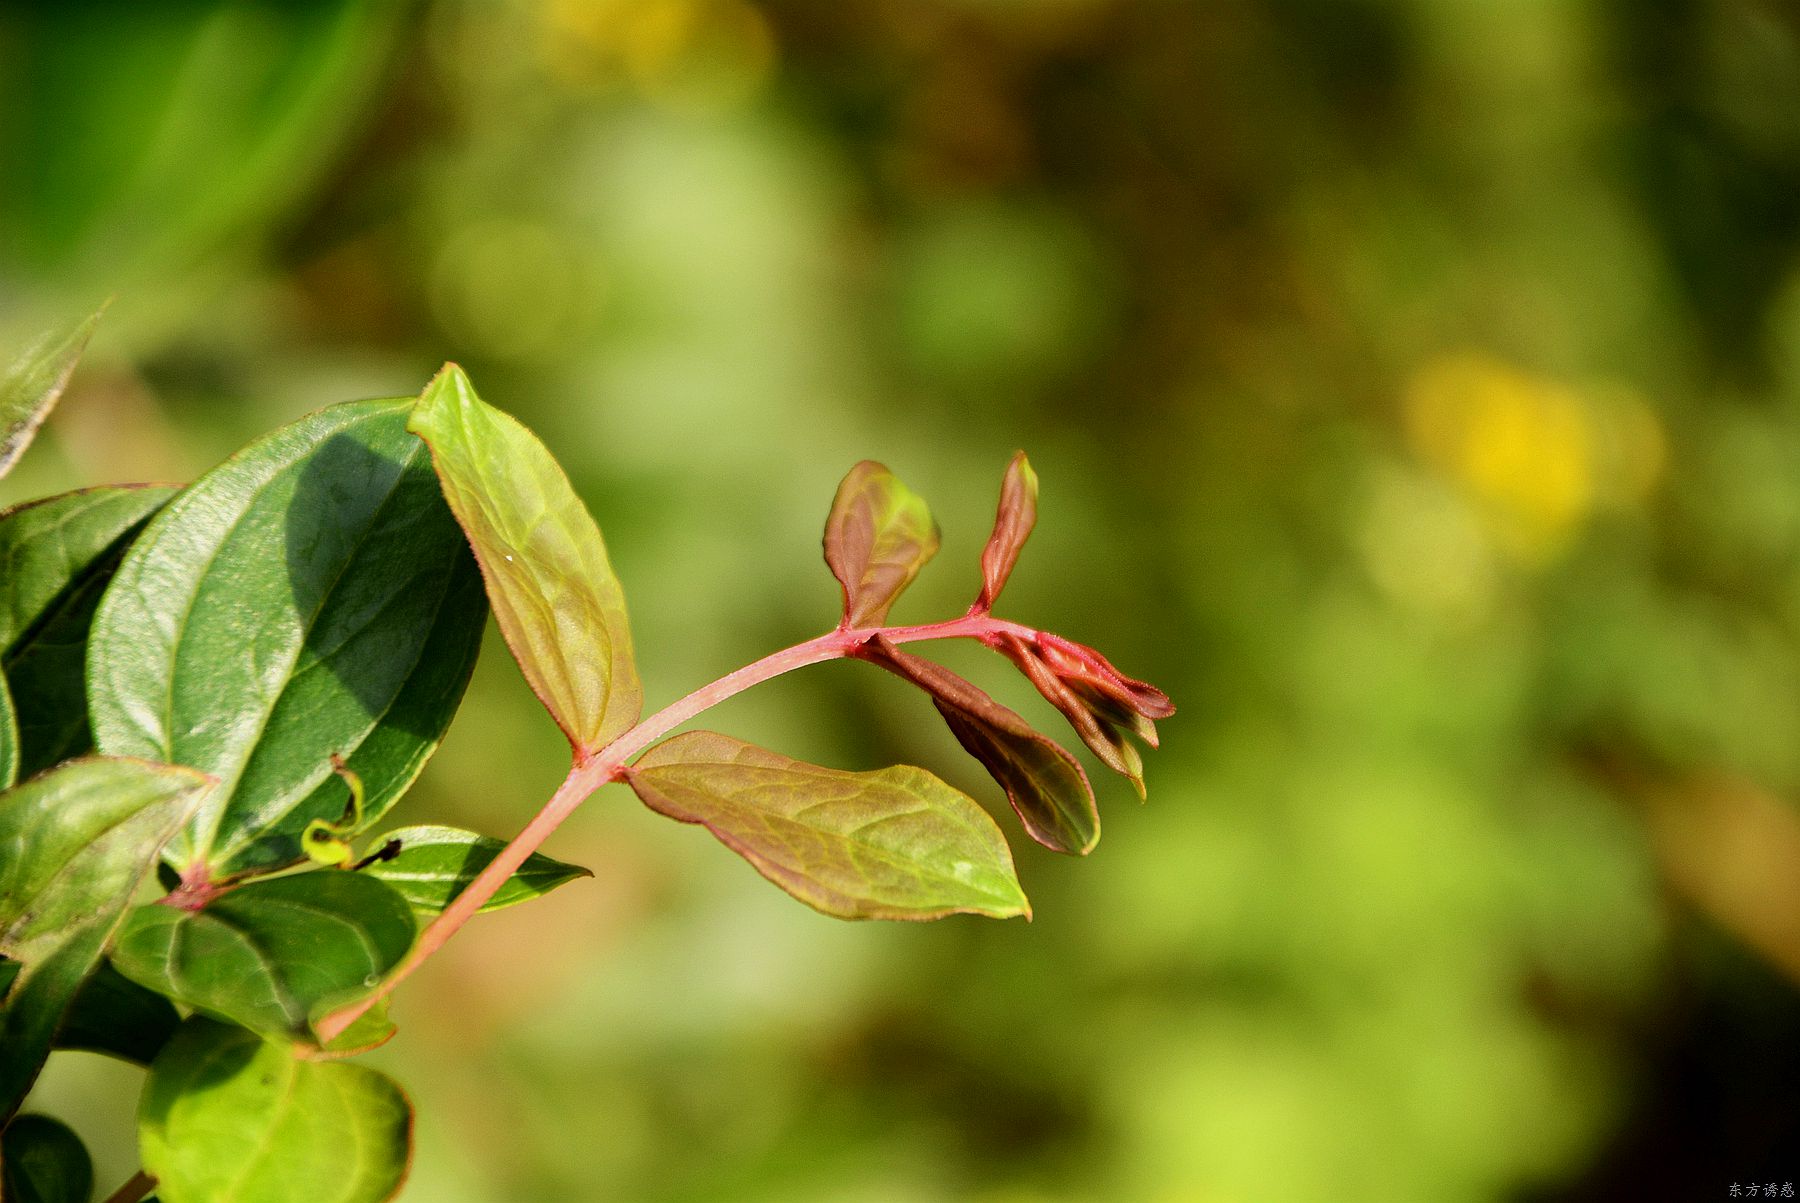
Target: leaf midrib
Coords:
[(375, 804), (261, 950), (885, 856)]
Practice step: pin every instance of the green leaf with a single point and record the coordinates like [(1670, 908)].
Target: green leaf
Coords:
[(42, 1161), (9, 739), (114, 1015), (435, 864), (50, 547), (79, 840), (56, 557), (554, 593), (311, 596), (1046, 786), (1013, 521), (892, 844), (268, 955), (32, 384), (367, 1031), (877, 537), (229, 1118)]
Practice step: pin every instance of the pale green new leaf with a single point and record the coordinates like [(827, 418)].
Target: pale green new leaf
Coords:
[(77, 841), (435, 864), (877, 537), (32, 384), (893, 844), (554, 594), (229, 1118)]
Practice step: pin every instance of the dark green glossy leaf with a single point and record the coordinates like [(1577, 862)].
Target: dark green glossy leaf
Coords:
[(50, 546), (435, 864), (229, 1118), (893, 844), (311, 596), (268, 955), (553, 589), (114, 1015), (32, 383), (877, 537), (1046, 786), (9, 739), (42, 1161), (1013, 521), (79, 840), (56, 556)]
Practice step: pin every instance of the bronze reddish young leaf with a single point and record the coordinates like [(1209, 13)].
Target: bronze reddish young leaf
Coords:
[(1110, 709), (1012, 526), (1095, 728), (878, 536), (1046, 786), (554, 594), (1083, 667), (893, 844)]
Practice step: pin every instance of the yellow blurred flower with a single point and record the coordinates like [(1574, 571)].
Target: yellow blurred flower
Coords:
[(1535, 457), (688, 54)]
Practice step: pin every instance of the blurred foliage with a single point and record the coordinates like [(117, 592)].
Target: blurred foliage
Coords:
[(1416, 391)]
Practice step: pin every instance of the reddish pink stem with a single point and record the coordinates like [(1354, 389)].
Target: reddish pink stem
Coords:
[(595, 769)]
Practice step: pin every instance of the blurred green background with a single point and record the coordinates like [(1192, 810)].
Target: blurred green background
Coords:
[(1416, 392)]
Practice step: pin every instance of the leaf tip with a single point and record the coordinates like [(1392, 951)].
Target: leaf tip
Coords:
[(450, 384)]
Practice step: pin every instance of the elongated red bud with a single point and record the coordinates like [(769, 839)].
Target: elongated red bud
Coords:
[(1012, 526), (1080, 664), (1095, 728)]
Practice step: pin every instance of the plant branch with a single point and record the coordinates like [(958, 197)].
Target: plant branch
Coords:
[(140, 1185), (591, 772)]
